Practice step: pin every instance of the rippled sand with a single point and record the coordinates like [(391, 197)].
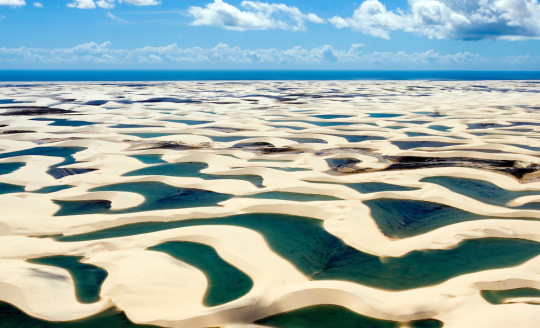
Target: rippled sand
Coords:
[(270, 204)]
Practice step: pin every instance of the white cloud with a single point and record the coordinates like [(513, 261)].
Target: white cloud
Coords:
[(12, 3), (82, 4), (254, 15), (371, 18), (223, 55), (38, 4), (142, 2), (107, 4), (457, 19), (522, 59), (424, 58), (150, 59), (115, 18)]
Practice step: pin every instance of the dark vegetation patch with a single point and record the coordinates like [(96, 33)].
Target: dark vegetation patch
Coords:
[(34, 110)]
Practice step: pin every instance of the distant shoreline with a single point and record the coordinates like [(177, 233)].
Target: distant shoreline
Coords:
[(255, 75)]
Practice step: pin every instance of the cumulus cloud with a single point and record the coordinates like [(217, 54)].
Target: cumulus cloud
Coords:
[(38, 4), (455, 19), (91, 4), (253, 15), (82, 4), (14, 3), (105, 3), (223, 55), (104, 55), (150, 59), (371, 18)]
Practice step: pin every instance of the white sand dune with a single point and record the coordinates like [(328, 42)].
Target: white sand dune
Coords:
[(274, 148)]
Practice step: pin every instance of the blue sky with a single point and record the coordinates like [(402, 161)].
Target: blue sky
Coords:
[(281, 34)]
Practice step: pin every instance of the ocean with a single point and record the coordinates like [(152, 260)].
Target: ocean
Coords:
[(239, 75)]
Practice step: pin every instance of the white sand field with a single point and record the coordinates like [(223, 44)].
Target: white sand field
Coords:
[(294, 140)]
